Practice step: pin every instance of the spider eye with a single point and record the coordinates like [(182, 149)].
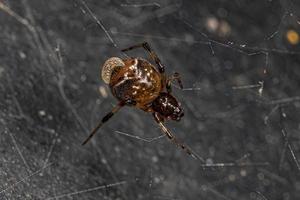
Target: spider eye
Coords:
[(109, 66), (178, 114)]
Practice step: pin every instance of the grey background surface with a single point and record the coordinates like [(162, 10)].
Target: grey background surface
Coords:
[(246, 135)]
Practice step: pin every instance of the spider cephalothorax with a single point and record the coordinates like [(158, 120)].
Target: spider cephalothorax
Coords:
[(167, 106), (137, 82)]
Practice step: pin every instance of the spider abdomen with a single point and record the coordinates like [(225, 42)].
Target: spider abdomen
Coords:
[(138, 81)]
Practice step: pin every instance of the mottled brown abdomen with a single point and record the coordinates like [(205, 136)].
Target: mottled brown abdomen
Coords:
[(138, 80)]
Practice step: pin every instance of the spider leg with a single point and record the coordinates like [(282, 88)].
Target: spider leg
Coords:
[(171, 136), (153, 55), (104, 119), (175, 76)]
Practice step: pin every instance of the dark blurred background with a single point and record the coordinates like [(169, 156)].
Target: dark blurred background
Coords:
[(239, 61)]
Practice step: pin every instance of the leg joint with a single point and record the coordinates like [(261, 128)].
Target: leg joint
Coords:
[(106, 118)]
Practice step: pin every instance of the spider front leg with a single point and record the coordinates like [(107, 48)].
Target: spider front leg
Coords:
[(175, 76), (171, 136), (104, 119)]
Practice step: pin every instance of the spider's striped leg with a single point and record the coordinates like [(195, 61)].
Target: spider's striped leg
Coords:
[(104, 119), (171, 136), (175, 76)]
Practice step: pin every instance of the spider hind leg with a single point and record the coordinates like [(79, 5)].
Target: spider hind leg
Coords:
[(153, 55), (104, 120)]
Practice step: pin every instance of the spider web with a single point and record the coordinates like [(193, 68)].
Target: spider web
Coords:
[(241, 98)]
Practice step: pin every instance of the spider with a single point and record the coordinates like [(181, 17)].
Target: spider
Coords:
[(136, 82)]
